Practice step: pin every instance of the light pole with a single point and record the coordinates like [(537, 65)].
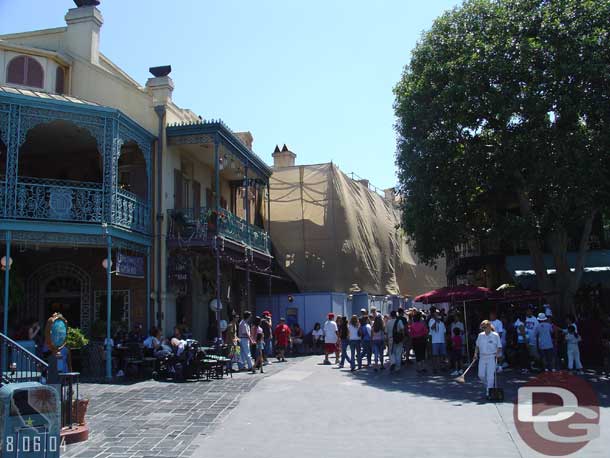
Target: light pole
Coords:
[(107, 264)]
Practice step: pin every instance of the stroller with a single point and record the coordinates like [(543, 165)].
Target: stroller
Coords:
[(180, 364)]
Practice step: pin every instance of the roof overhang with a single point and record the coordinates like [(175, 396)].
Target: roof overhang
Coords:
[(216, 132)]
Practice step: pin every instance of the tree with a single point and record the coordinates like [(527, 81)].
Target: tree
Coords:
[(503, 122)]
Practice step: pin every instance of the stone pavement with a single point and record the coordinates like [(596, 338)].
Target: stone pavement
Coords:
[(158, 419), (310, 410)]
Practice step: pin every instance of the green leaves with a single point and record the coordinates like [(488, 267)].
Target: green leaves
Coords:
[(504, 95)]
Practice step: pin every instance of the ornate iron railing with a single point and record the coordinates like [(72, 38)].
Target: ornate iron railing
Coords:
[(188, 224), (17, 364), (45, 199), (235, 228), (59, 200), (131, 212)]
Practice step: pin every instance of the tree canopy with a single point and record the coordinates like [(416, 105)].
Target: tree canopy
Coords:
[(503, 122)]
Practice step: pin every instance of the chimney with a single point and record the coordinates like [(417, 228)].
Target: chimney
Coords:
[(283, 158), (83, 31), (246, 138), (390, 194), (161, 86)]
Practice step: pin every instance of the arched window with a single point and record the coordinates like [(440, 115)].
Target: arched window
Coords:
[(59, 80), (26, 71)]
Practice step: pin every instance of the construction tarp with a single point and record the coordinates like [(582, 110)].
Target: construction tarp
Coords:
[(330, 232)]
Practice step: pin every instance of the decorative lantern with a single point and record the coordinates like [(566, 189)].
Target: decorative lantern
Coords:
[(3, 263), (107, 264)]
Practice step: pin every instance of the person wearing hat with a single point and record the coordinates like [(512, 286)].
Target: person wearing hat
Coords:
[(330, 337), (488, 349), (544, 338)]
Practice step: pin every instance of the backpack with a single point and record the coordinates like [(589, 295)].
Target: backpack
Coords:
[(398, 335)]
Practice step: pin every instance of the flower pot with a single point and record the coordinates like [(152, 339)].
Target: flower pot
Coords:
[(79, 409)]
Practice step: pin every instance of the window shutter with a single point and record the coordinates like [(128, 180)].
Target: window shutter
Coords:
[(35, 74), (209, 198), (196, 198), (177, 189), (59, 80), (16, 71)]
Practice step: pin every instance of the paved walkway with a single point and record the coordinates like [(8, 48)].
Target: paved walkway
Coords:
[(310, 410), (158, 419)]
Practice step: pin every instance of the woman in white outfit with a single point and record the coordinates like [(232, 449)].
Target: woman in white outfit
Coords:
[(488, 350)]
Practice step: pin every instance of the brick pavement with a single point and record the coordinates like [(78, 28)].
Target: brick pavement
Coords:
[(158, 419)]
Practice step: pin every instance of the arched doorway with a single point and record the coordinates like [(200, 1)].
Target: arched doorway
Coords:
[(61, 287)]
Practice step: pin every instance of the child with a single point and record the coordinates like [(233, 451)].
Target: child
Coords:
[(260, 346), (522, 344), (572, 339), (456, 351)]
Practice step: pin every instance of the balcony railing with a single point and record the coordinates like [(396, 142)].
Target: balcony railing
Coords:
[(196, 224), (131, 212), (44, 199)]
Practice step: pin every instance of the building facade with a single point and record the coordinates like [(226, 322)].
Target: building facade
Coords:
[(96, 167)]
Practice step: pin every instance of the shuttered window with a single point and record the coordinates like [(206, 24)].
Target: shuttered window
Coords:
[(25, 71)]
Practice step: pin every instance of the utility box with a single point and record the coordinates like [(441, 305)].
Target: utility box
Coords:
[(30, 421)]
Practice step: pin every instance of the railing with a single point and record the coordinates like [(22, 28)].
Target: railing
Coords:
[(131, 212), (59, 200), (235, 228), (19, 365), (74, 201), (189, 224)]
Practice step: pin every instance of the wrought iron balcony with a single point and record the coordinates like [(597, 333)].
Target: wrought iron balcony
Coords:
[(76, 202), (195, 225)]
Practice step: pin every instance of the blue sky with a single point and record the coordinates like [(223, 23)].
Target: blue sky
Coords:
[(316, 75)]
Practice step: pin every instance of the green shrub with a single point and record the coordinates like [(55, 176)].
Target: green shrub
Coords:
[(76, 338)]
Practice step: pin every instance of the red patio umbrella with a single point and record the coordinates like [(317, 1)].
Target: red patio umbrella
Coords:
[(456, 294)]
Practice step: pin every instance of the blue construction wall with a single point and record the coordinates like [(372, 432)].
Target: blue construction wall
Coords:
[(305, 309)]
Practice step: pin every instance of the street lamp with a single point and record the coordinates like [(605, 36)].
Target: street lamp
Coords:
[(107, 263), (4, 265)]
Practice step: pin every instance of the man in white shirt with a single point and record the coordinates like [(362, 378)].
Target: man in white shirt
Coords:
[(488, 350), (330, 337), (531, 323), (439, 348), (499, 328), (243, 332)]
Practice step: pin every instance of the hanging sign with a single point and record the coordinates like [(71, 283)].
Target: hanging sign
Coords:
[(130, 266)]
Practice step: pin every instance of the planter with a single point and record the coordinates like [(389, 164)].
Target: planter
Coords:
[(79, 410), (76, 359)]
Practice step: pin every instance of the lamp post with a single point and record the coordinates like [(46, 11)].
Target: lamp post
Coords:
[(107, 264), (6, 263)]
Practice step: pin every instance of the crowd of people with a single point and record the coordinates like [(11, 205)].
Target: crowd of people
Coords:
[(437, 340)]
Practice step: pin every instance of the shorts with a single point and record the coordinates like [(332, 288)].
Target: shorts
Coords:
[(439, 349), (330, 347)]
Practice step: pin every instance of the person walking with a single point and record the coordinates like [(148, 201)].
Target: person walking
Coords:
[(544, 338), (330, 337), (354, 342), (378, 341), (572, 340), (419, 338), (396, 336), (439, 347), (344, 341), (488, 350), (282, 339), (267, 336), (365, 336), (260, 349), (456, 352), (244, 342), (406, 343), (531, 323)]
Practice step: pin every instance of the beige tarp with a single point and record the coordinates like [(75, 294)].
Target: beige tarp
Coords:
[(330, 232)]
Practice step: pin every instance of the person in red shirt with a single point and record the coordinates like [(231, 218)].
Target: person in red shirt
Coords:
[(282, 338), (456, 351)]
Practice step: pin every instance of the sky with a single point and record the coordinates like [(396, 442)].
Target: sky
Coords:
[(316, 75)]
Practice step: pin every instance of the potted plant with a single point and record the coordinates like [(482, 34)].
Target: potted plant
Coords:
[(75, 341)]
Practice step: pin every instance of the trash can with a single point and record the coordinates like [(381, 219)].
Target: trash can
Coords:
[(30, 421)]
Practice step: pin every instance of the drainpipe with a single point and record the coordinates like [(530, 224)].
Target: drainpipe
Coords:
[(160, 110)]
